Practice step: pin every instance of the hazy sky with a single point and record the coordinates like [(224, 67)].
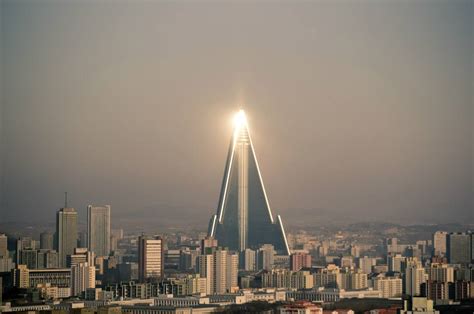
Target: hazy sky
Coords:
[(357, 109)]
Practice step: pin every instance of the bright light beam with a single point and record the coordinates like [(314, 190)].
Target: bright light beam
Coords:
[(240, 119)]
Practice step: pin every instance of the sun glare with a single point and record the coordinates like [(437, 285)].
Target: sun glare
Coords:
[(239, 119)]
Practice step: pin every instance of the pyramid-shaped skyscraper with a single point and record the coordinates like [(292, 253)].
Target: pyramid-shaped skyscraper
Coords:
[(244, 218)]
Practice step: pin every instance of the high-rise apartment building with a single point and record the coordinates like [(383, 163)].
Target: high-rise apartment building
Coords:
[(458, 248), (29, 257), (128, 271), (346, 261), (115, 236), (47, 259), (6, 264), (355, 251), (208, 242), (281, 261), (300, 260), (472, 247), (220, 268), (23, 243), (205, 268), (441, 272), (98, 229), (391, 287), (21, 276), (350, 279), (358, 280), (220, 271), (244, 218), (66, 233), (334, 277), (365, 264), (231, 272), (249, 260), (284, 278), (265, 257), (395, 262), (328, 277), (150, 258), (187, 259), (46, 240), (3, 245), (80, 255), (82, 278), (391, 246), (439, 243), (436, 290), (414, 276)]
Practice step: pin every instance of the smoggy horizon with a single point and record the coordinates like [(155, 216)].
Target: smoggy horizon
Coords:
[(358, 111)]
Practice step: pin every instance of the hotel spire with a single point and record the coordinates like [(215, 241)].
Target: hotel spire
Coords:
[(244, 218)]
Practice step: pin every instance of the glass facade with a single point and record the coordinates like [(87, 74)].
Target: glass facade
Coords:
[(244, 218)]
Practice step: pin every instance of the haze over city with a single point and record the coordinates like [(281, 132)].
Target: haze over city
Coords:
[(206, 157), (358, 111)]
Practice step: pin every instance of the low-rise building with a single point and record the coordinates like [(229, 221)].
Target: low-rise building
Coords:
[(300, 307), (417, 305), (331, 295), (169, 300), (59, 277), (34, 308)]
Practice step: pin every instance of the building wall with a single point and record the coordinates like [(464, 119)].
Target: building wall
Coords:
[(150, 258), (83, 277), (390, 287), (98, 229), (66, 233), (459, 248)]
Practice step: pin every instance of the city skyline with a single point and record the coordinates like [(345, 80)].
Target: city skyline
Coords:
[(357, 118), (347, 186)]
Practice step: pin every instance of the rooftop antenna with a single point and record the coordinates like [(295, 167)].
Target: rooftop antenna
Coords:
[(65, 199)]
